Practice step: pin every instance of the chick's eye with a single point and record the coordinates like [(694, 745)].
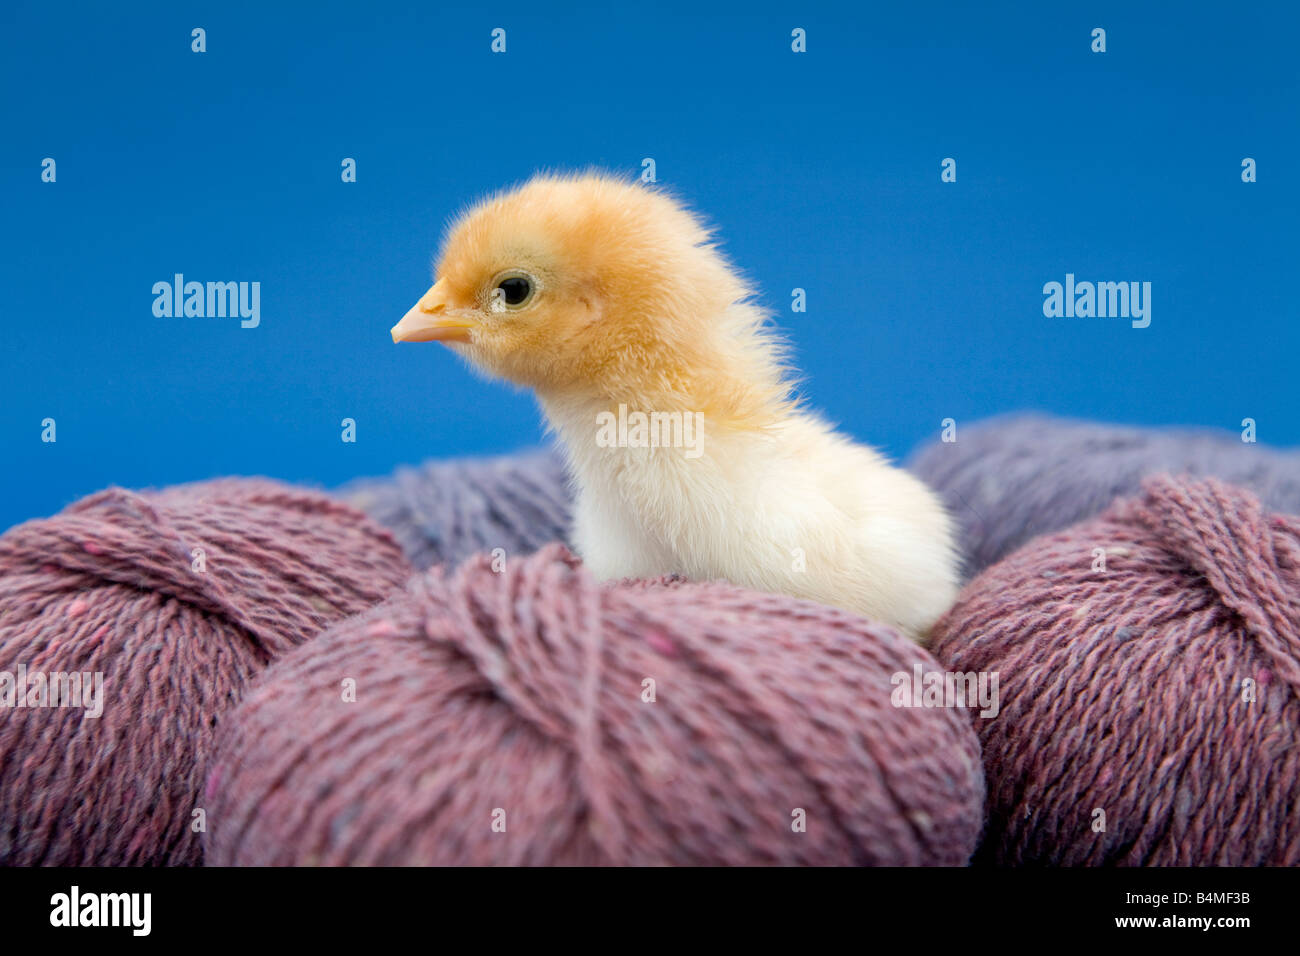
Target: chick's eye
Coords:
[(515, 290)]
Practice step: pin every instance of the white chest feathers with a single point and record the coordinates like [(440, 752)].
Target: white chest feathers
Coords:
[(794, 509)]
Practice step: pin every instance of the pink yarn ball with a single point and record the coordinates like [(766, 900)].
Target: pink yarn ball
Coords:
[(1150, 704), (520, 699), (177, 599)]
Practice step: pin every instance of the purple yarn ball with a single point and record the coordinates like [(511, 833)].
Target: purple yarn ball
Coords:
[(444, 511), (645, 723), (163, 606), (1148, 666), (1010, 479)]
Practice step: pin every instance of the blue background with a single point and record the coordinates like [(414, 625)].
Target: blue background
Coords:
[(822, 171)]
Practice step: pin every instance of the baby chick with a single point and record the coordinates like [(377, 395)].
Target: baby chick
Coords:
[(597, 293)]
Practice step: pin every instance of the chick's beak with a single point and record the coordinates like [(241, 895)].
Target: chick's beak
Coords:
[(430, 320)]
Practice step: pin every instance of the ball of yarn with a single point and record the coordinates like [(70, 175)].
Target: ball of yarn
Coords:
[(176, 600), (445, 511), (535, 716), (1010, 479), (1149, 676)]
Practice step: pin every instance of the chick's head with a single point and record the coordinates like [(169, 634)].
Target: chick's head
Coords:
[(585, 283)]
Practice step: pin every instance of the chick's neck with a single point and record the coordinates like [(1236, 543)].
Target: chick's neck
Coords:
[(731, 394)]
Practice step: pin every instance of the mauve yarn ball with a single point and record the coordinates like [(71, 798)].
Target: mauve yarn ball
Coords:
[(445, 511), (520, 699), (1149, 676), (1007, 480), (178, 598)]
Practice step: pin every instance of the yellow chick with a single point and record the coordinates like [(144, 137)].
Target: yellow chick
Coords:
[(672, 402)]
